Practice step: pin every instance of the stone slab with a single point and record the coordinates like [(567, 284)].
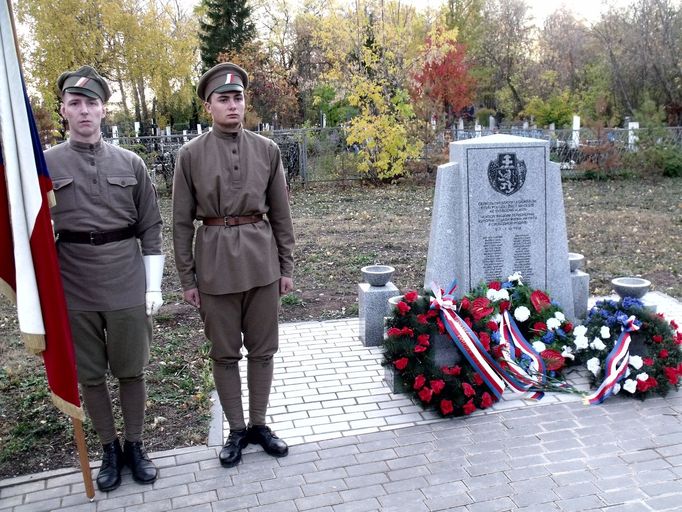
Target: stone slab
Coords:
[(580, 284), (498, 209)]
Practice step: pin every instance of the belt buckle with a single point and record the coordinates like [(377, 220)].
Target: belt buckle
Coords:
[(227, 219), (92, 237)]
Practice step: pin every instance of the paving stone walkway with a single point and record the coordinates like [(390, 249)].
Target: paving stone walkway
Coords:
[(356, 446)]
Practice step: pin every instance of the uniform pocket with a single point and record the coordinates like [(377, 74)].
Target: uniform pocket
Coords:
[(121, 190), (65, 193)]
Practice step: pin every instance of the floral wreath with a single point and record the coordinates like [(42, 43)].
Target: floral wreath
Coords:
[(654, 363), (459, 389)]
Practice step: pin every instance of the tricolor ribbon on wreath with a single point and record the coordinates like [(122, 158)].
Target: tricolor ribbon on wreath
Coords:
[(615, 366), (497, 375)]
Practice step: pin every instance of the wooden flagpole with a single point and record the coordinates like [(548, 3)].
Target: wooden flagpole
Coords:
[(78, 433), (82, 448)]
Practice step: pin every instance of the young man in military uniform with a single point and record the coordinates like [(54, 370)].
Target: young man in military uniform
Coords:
[(112, 282), (232, 180)]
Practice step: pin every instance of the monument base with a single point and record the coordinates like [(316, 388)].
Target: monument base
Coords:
[(373, 307)]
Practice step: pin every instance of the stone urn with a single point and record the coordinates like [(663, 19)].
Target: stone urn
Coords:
[(634, 287), (377, 275), (576, 261)]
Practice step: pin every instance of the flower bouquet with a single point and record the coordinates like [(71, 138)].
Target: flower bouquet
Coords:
[(651, 360)]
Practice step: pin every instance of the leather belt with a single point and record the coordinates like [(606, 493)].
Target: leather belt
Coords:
[(96, 237), (233, 220)]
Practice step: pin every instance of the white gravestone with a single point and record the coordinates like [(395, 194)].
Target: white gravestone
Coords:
[(498, 209)]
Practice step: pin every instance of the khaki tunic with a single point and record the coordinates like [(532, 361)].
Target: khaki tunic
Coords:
[(222, 174), (101, 187)]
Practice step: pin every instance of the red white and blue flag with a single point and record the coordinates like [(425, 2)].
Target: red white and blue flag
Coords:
[(29, 269)]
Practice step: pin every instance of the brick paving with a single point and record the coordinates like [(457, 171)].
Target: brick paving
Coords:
[(356, 446)]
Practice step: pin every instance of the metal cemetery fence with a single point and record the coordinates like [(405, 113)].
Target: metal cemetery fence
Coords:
[(318, 155)]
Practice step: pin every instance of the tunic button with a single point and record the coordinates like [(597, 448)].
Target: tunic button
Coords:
[(236, 168), (94, 181), (234, 151)]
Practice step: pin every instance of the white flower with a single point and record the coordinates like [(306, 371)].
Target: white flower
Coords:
[(616, 388), (580, 330), (597, 344), (636, 362), (491, 294), (643, 376), (581, 342), (522, 313), (559, 316), (593, 365), (566, 352), (515, 277), (539, 346), (605, 332), (553, 323), (497, 319), (502, 294), (630, 386)]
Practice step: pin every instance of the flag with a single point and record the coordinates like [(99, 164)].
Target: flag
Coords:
[(29, 269)]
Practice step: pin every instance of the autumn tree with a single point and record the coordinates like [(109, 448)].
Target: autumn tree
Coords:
[(226, 26), (442, 74)]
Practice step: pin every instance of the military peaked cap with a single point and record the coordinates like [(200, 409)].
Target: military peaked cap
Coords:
[(85, 80), (221, 78)]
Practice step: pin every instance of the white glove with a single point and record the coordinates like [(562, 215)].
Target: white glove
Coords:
[(153, 267)]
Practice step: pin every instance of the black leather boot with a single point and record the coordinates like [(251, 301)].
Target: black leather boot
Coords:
[(143, 469), (109, 476), (231, 453), (273, 445)]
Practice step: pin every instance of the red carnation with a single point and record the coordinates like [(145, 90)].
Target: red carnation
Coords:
[(553, 359), (418, 349), (454, 370), (419, 382), (403, 307), (422, 318), (481, 308), (568, 327), (468, 389), (648, 361), (401, 363), (671, 374), (432, 313), (437, 385), (411, 296), (477, 379), (504, 306), (663, 354), (486, 400), (540, 300), (657, 338), (645, 385), (485, 340), (394, 331), (469, 407), (446, 407), (539, 327), (406, 331), (678, 338), (495, 285), (423, 339), (674, 325), (492, 326), (425, 395), (465, 304), (497, 351)]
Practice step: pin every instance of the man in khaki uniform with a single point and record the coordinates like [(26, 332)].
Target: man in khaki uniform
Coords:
[(232, 181), (108, 229)]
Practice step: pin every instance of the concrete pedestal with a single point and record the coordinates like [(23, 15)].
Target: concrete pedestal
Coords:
[(580, 283), (373, 306)]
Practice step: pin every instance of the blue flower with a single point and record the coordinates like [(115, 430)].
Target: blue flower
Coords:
[(548, 338), (495, 337), (622, 318), (507, 285), (559, 332), (631, 302)]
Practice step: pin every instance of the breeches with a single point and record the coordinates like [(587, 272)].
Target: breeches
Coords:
[(252, 313), (118, 340)]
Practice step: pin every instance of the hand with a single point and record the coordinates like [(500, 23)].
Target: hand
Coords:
[(286, 285), (192, 296), (153, 301)]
